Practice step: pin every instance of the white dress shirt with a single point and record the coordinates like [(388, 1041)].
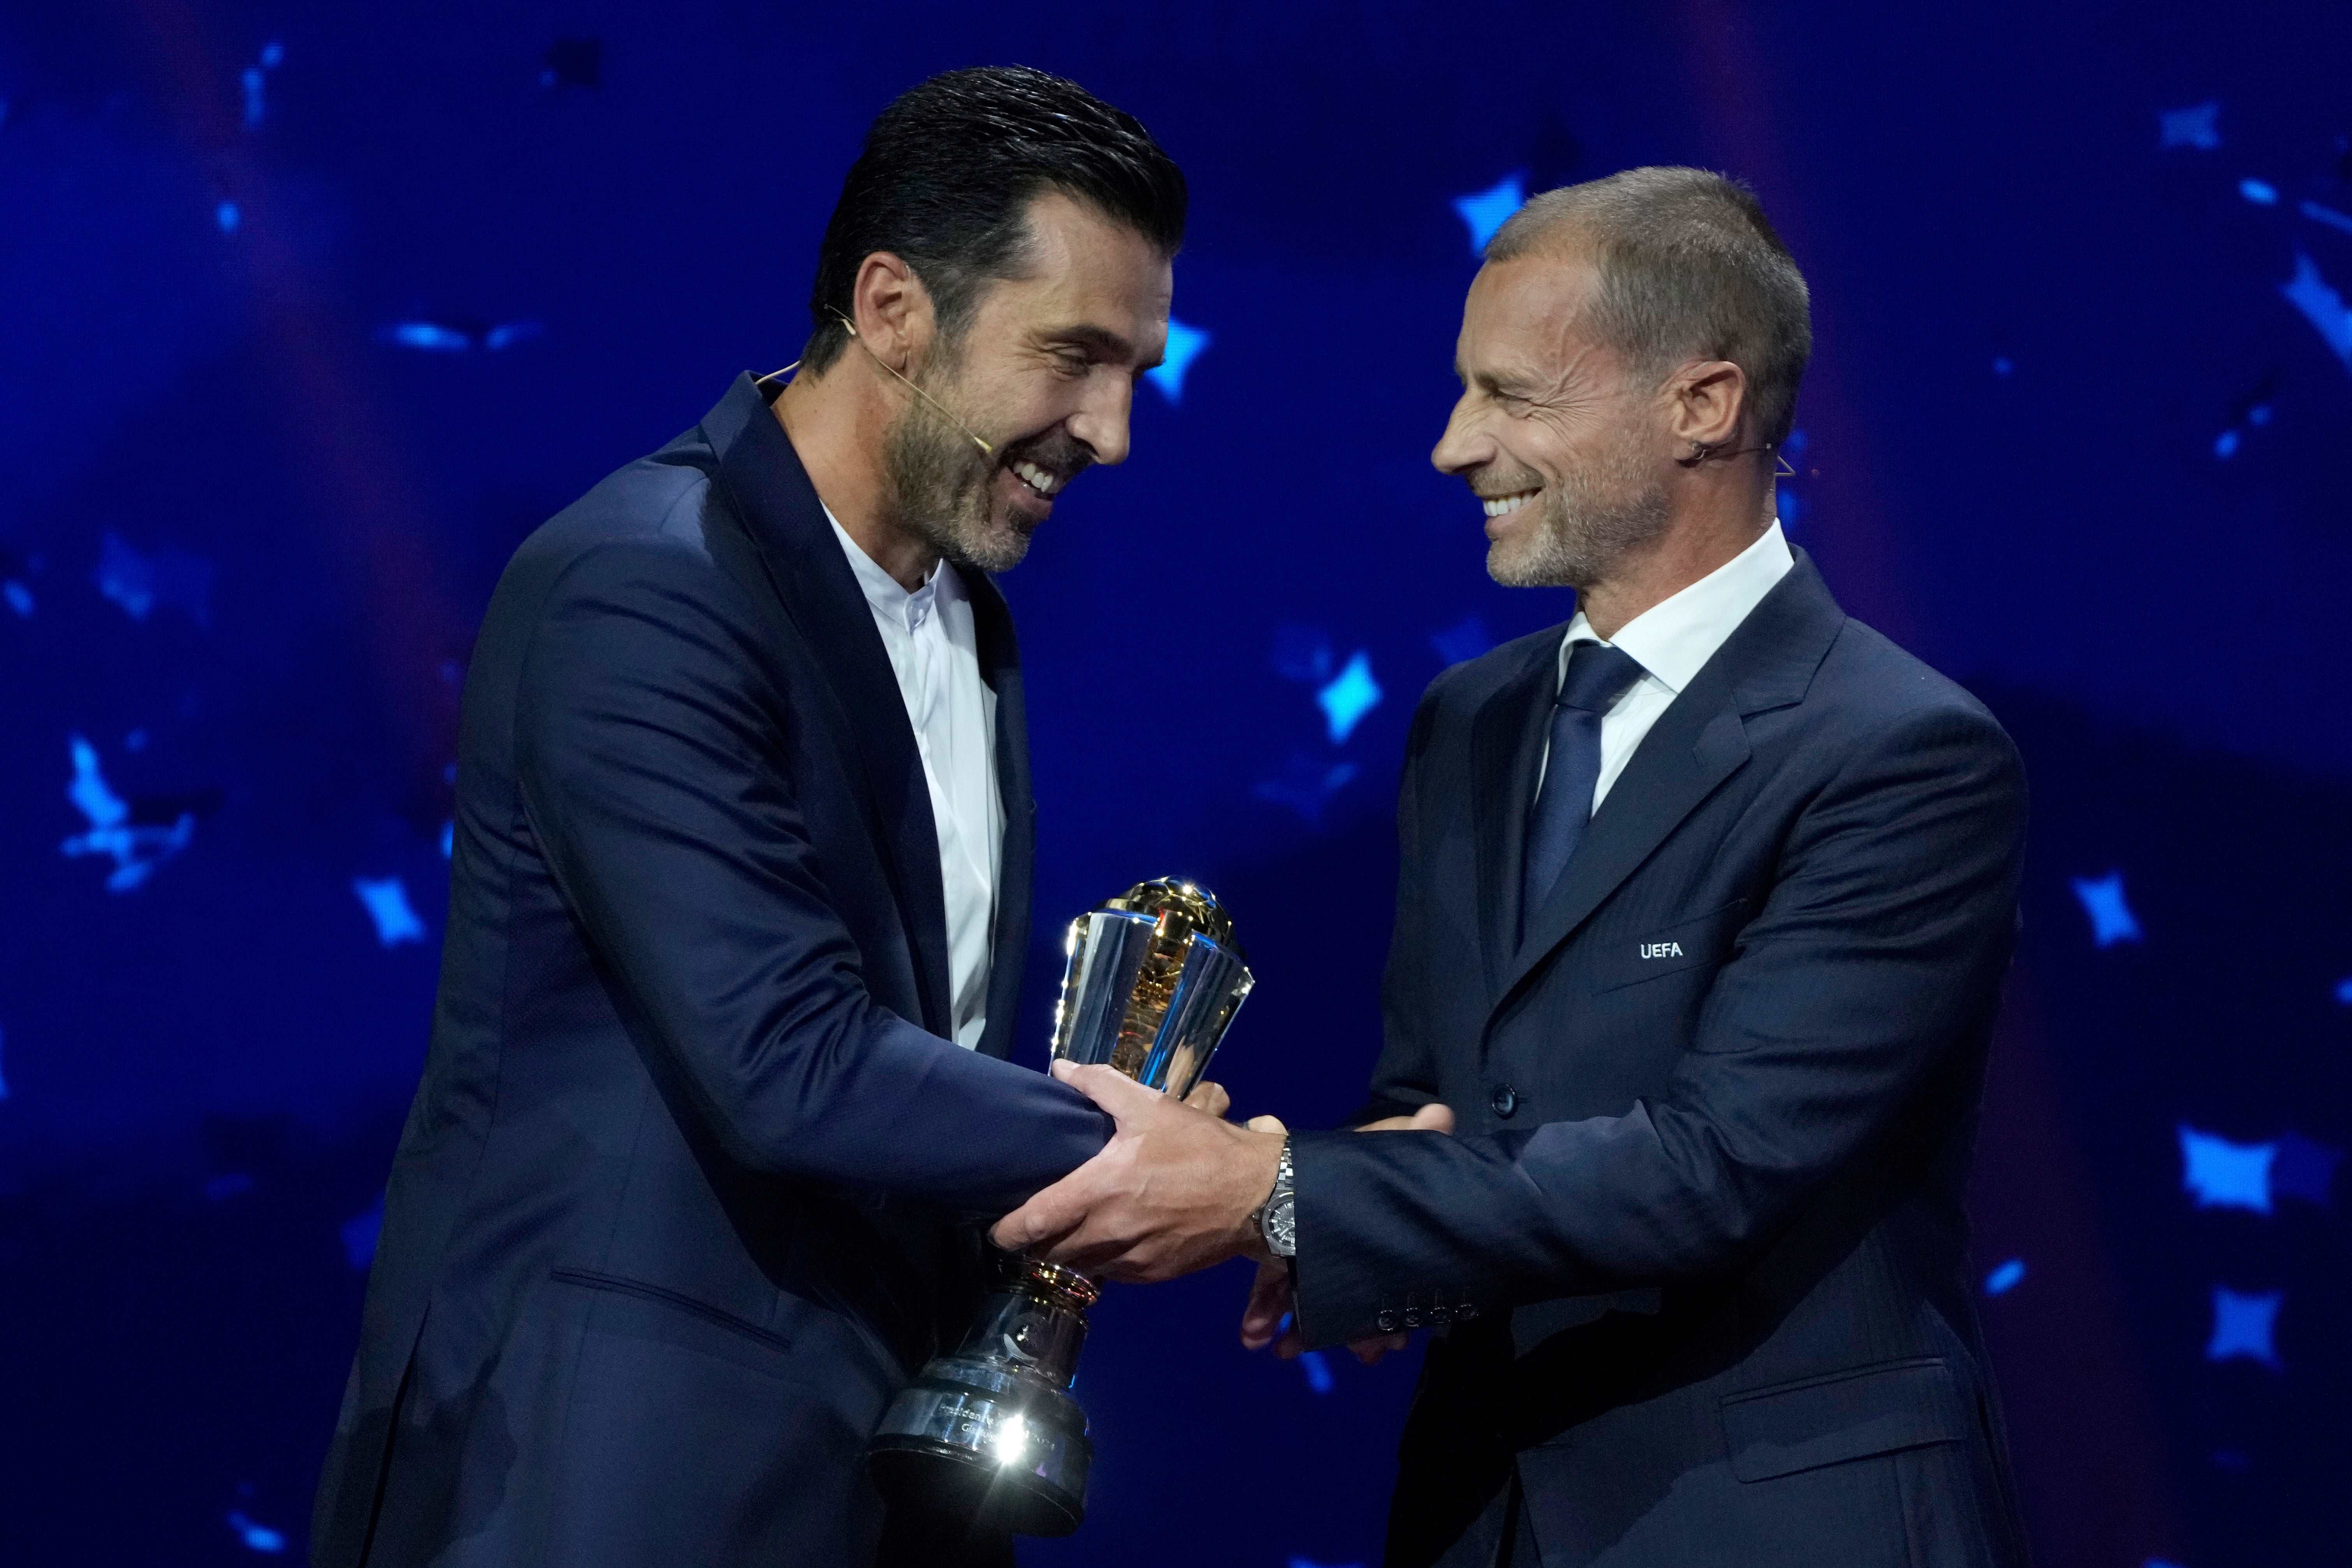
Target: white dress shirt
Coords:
[(934, 650), (1672, 641)]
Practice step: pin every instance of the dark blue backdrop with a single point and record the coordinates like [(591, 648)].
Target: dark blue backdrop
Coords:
[(310, 313)]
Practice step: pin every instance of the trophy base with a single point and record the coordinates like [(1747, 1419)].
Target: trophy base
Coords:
[(966, 1438)]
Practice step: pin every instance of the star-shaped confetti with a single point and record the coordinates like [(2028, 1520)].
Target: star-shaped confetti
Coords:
[(386, 899), (1488, 210), (1351, 694), (2245, 1326), (2321, 305), (2221, 1175), (1184, 345), (135, 846), (2191, 127), (2103, 901)]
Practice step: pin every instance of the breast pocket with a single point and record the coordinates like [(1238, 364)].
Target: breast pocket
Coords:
[(1686, 944)]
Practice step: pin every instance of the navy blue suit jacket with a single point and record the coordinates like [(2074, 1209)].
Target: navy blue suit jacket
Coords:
[(676, 1208), (1698, 1248)]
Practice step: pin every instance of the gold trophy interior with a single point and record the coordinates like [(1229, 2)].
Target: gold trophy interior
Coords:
[(1152, 981)]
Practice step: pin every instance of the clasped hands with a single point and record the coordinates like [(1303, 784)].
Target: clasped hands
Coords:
[(1176, 1189)]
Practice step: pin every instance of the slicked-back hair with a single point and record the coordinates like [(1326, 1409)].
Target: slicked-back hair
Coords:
[(945, 180), (1690, 269)]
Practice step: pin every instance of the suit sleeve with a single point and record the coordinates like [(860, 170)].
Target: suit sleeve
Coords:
[(1883, 938), (651, 766), (1404, 1077)]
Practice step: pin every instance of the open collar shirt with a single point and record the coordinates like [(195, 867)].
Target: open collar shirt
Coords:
[(934, 648)]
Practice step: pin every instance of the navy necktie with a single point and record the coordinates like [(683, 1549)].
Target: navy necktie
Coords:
[(1597, 677)]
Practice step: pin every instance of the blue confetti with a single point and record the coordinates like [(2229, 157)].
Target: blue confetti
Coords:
[(1184, 345), (227, 215), (273, 55), (2321, 305), (2327, 216), (2005, 1277), (2002, 364), (361, 1233), (139, 583), (3, 1076), (1488, 210), (136, 848), (258, 1537), (256, 104), (387, 904), (2344, 991), (19, 597), (1464, 639), (429, 336), (2221, 1175), (2306, 1169), (2191, 127), (220, 1189), (1351, 694), (449, 840), (1794, 447), (2103, 901), (2225, 445), (1305, 785), (1317, 1371), (2261, 193), (1788, 506), (2245, 1326)]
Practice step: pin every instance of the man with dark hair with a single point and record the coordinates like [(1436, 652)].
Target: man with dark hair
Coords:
[(1703, 905), (740, 898)]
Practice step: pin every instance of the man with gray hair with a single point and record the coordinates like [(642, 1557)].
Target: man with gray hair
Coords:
[(1704, 901)]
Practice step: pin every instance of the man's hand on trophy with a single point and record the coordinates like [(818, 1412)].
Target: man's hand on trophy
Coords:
[(1211, 1097), (1267, 1319), (1174, 1190)]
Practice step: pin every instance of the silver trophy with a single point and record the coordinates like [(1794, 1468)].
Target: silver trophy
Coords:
[(1152, 983)]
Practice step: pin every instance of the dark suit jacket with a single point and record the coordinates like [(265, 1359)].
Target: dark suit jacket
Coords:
[(1699, 1244), (673, 1212)]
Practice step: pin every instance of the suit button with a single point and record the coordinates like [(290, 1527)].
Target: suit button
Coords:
[(1388, 1321), (1504, 1100)]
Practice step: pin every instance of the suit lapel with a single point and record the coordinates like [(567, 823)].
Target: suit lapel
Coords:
[(1000, 666), (811, 578), (1699, 741), (1505, 740)]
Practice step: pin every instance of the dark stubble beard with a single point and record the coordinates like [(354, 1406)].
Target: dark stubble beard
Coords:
[(1591, 519), (942, 487)]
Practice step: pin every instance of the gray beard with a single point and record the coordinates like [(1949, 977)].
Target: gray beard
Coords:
[(939, 485), (1590, 520)]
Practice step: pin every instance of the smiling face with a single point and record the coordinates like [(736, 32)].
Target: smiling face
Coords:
[(1045, 372), (1563, 445)]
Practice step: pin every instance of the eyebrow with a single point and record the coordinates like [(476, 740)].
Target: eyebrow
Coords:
[(1102, 339)]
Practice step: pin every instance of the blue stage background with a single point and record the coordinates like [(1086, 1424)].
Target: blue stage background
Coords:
[(311, 312)]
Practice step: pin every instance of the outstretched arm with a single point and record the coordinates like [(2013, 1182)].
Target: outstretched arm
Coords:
[(650, 760)]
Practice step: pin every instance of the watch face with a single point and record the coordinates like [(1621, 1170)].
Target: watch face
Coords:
[(1282, 1229)]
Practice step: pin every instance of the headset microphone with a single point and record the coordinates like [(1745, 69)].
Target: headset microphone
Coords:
[(851, 328)]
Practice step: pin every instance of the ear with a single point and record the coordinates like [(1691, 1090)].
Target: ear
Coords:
[(890, 309), (1707, 400)]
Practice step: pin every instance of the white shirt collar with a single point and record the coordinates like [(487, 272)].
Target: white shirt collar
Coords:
[(1674, 639), (888, 600)]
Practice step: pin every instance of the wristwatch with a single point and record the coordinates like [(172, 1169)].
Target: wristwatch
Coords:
[(1275, 1219)]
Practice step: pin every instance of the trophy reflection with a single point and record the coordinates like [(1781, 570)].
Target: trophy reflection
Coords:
[(1152, 983)]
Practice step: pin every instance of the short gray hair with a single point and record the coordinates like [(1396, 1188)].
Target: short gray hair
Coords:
[(1689, 266)]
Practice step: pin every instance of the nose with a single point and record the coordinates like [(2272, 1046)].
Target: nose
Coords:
[(1102, 423), (1463, 446)]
